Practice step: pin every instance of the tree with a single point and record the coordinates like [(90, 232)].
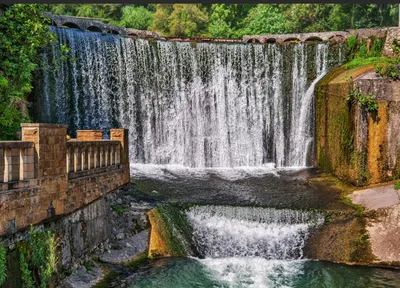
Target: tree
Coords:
[(301, 18), (137, 17), (182, 20), (226, 19), (161, 22), (24, 32), (265, 19)]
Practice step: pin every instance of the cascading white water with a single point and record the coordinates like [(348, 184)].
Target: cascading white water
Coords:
[(224, 231), (251, 247), (203, 105)]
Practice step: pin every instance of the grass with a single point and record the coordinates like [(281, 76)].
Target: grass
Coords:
[(357, 62)]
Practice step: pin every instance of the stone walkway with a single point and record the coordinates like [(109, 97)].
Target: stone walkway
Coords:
[(376, 198), (384, 229)]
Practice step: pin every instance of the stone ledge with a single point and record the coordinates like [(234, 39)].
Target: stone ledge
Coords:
[(46, 125), (16, 144)]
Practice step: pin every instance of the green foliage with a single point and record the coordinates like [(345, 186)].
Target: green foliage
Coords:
[(377, 47), (357, 62), (137, 17), (119, 210), (38, 255), (24, 31), (358, 48), (26, 274), (396, 46), (3, 264), (397, 185), (236, 20), (368, 101), (185, 20), (388, 70), (352, 44), (265, 19)]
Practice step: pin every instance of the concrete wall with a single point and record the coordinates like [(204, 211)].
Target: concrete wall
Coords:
[(357, 145), (53, 185)]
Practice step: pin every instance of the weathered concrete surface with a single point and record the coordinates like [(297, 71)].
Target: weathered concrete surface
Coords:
[(376, 198), (355, 144), (384, 229)]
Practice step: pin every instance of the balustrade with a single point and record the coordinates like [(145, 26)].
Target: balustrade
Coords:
[(17, 161), (89, 155)]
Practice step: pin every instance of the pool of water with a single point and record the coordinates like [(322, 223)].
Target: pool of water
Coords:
[(259, 272), (243, 246)]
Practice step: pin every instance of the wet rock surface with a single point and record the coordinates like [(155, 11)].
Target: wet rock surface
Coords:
[(129, 237), (282, 189)]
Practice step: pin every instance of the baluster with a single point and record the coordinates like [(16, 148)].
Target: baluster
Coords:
[(1, 165), (21, 164), (95, 156), (101, 156), (7, 165), (83, 158), (118, 154), (29, 163), (106, 155), (76, 158), (90, 157), (112, 156), (68, 159)]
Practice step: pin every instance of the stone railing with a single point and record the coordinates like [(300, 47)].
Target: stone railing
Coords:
[(16, 164), (46, 174), (89, 157)]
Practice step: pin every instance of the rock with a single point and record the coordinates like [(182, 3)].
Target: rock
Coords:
[(120, 236), (119, 201)]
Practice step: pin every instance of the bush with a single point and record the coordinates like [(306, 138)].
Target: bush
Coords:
[(24, 32), (388, 70)]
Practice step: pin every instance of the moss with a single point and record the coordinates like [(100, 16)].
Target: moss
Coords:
[(108, 279), (169, 232), (361, 247), (359, 164), (138, 260), (359, 62)]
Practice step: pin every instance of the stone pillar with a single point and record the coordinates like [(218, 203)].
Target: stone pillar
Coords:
[(121, 135), (50, 162), (89, 135)]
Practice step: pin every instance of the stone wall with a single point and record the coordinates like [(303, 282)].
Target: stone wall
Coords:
[(358, 146), (53, 186)]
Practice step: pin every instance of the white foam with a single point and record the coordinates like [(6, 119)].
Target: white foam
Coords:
[(225, 231), (172, 172), (254, 272)]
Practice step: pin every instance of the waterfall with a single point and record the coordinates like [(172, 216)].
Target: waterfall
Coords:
[(244, 246), (196, 105), (224, 231)]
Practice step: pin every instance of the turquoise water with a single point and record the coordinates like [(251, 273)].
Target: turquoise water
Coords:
[(258, 272)]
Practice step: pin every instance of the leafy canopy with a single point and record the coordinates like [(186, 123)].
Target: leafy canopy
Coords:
[(24, 32)]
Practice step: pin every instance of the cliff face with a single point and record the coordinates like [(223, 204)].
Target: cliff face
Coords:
[(357, 145)]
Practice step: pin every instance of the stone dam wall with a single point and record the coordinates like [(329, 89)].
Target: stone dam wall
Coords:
[(357, 145), (45, 175)]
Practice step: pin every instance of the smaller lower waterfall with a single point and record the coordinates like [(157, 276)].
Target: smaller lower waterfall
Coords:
[(249, 246), (224, 231)]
